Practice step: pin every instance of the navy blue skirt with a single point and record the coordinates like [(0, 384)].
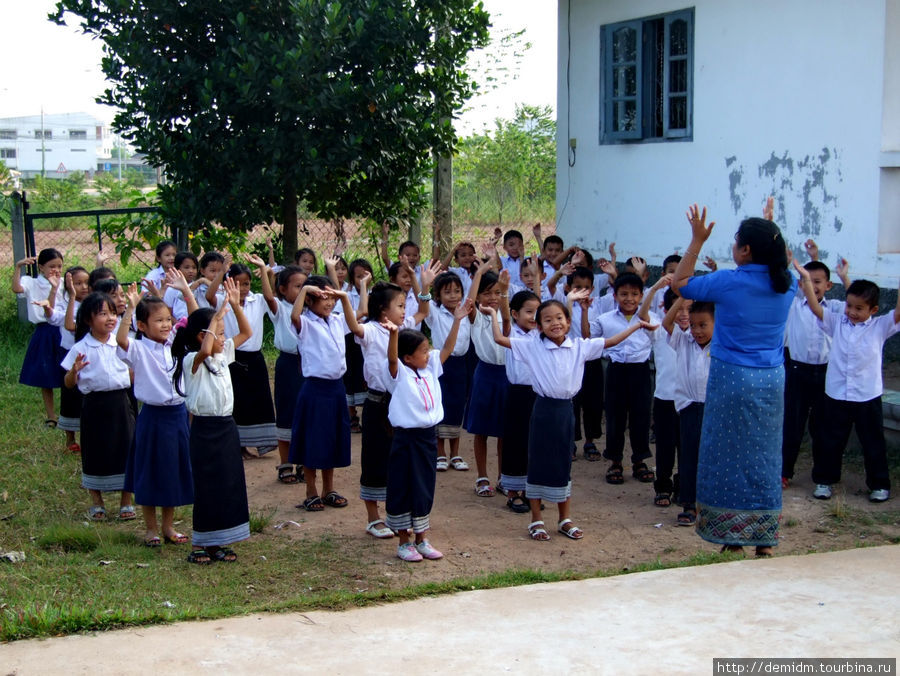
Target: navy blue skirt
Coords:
[(41, 367), (514, 462), (487, 403), (550, 439), (107, 430), (288, 380), (411, 479), (320, 437), (159, 462), (253, 411), (453, 396), (377, 434)]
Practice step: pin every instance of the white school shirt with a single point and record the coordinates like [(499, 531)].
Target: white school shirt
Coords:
[(593, 318), (285, 333), (157, 275), (209, 391), (854, 365), (322, 345), (464, 277), (353, 296), (666, 364), (802, 336), (254, 308), (175, 300), (153, 370), (440, 321), (412, 307), (515, 287), (200, 296), (601, 284), (416, 395), (517, 371), (514, 265), (374, 344), (58, 318), (482, 334), (35, 288), (104, 371), (633, 350), (556, 370), (691, 368)]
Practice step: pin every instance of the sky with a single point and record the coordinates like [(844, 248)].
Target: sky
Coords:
[(59, 68)]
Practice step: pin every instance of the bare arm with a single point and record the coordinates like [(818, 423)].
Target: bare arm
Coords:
[(17, 274), (622, 335), (175, 279), (503, 283), (133, 297), (668, 322), (213, 287), (661, 283), (536, 231), (71, 379), (700, 232), (561, 258), (265, 282), (842, 271), (69, 321), (330, 264), (458, 315), (233, 296), (383, 245), (349, 314), (216, 326), (299, 303), (499, 338), (363, 309), (806, 285), (393, 360)]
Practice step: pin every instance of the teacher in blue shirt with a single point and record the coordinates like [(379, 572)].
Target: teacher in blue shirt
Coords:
[(739, 468)]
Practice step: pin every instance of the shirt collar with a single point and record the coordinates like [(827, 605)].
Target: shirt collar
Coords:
[(93, 342), (846, 320), (550, 345)]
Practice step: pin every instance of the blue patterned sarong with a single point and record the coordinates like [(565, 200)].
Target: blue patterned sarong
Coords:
[(739, 469)]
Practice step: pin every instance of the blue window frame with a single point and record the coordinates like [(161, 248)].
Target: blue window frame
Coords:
[(646, 86)]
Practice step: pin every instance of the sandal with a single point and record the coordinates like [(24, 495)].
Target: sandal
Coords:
[(127, 513), (442, 464), (334, 499), (313, 504), (97, 513), (501, 489), (662, 499), (591, 454), (537, 531), (200, 557), (643, 473), (286, 474), (73, 447), (573, 532), (518, 504), (459, 464), (176, 539), (614, 474), (50, 424), (152, 542), (354, 424), (483, 488), (382, 533), (687, 518), (223, 554)]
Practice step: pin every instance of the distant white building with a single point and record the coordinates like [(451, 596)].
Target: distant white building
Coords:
[(58, 144), (662, 103)]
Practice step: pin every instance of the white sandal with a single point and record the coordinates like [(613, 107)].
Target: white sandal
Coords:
[(459, 464), (382, 533), (482, 489), (574, 533), (442, 464), (537, 531)]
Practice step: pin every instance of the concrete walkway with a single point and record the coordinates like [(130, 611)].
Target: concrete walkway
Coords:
[(843, 604)]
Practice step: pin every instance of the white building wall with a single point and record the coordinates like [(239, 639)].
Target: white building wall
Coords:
[(73, 154), (787, 100)]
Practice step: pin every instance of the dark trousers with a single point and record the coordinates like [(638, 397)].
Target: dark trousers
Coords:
[(588, 402), (665, 423), (691, 419), (838, 418), (628, 405), (804, 394)]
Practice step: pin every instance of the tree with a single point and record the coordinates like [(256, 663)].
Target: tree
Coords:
[(252, 107)]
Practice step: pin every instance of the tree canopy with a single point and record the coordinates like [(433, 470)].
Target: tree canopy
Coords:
[(252, 106)]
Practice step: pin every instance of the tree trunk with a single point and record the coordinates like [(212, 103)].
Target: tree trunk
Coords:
[(289, 223), (443, 204)]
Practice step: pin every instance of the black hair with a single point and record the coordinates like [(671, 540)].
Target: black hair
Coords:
[(406, 244), (520, 298), (703, 306), (163, 245), (510, 234), (580, 272), (318, 281), (358, 263), (342, 261), (183, 256), (488, 279), (77, 268), (47, 255), (867, 291), (147, 306), (211, 257), (99, 273), (548, 304), (187, 341), (443, 280), (89, 307), (637, 258), (767, 248), (628, 279), (394, 270), (819, 265), (107, 285), (673, 258), (284, 277), (553, 239), (669, 298), (239, 269), (381, 296), (307, 250), (474, 266), (408, 341)]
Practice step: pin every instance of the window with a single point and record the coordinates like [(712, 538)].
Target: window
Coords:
[(7, 153), (8, 134), (43, 150), (646, 83), (78, 135), (45, 134), (77, 150)]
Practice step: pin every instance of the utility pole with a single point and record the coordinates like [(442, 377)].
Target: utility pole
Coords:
[(43, 151), (119, 153), (442, 233)]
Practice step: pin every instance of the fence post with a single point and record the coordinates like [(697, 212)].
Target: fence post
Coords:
[(18, 246)]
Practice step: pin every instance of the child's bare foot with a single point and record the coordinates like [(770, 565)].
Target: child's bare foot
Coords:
[(764, 551)]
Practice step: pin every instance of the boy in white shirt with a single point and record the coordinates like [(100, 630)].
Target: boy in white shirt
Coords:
[(853, 386)]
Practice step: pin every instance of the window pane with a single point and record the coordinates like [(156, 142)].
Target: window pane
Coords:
[(625, 81), (677, 112), (625, 45), (678, 76), (624, 116), (678, 38)]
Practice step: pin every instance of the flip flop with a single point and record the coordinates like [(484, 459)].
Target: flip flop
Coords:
[(334, 499), (177, 539), (152, 542), (127, 513), (97, 513), (313, 504)]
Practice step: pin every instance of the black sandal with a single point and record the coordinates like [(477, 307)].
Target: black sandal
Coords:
[(334, 499), (313, 504), (200, 557), (663, 499), (614, 474), (591, 454), (222, 554), (642, 473), (286, 474), (518, 504), (354, 424), (687, 518)]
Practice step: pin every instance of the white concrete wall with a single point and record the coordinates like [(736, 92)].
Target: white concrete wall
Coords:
[(73, 154), (787, 101)]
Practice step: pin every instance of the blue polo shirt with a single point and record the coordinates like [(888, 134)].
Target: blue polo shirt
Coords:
[(750, 315)]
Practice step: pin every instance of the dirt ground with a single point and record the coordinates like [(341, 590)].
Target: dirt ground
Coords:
[(622, 526)]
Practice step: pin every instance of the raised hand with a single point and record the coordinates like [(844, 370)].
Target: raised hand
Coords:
[(842, 268), (503, 282), (429, 272), (579, 259), (699, 230), (803, 272), (812, 249), (567, 269), (44, 303), (253, 259), (151, 287), (647, 325), (70, 284), (498, 234), (489, 249), (232, 291), (133, 296), (176, 279), (365, 280), (79, 364), (536, 230), (388, 325), (26, 261), (576, 295), (639, 266), (463, 309), (665, 280), (769, 209), (710, 263), (608, 267), (612, 252), (330, 262), (483, 309)]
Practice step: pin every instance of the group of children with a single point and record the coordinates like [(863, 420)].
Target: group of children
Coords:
[(527, 350)]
